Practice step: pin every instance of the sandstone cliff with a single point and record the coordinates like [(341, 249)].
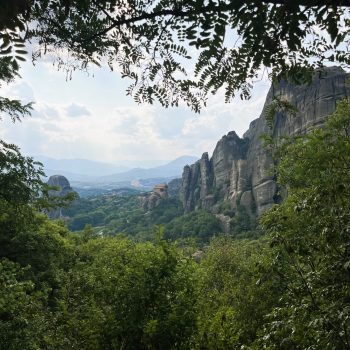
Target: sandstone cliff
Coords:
[(239, 171), (63, 188), (152, 199)]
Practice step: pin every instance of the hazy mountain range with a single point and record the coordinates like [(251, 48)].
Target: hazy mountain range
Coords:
[(79, 167), (84, 170), (171, 169)]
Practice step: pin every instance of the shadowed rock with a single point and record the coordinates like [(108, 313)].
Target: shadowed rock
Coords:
[(62, 189)]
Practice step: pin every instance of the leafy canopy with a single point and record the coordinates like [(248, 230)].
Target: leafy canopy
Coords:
[(154, 42), (310, 232)]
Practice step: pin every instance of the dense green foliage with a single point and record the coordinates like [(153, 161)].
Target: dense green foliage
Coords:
[(199, 225), (119, 214), (113, 214), (287, 290), (233, 304), (63, 291), (311, 231), (290, 289), (244, 225)]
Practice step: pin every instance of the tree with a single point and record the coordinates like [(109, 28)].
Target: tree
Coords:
[(310, 233), (198, 224), (234, 298), (150, 41), (22, 195), (34, 254), (21, 309), (126, 295)]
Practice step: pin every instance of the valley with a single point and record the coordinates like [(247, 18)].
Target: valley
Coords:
[(115, 234), (222, 195), (246, 250)]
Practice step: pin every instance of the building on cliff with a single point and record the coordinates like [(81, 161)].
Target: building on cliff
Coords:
[(161, 190), (239, 171), (153, 199)]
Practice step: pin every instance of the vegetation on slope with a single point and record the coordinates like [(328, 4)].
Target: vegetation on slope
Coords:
[(287, 290), (112, 215)]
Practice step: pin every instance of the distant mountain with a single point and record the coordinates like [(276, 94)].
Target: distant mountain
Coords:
[(92, 172), (170, 170), (143, 163), (70, 176), (78, 169)]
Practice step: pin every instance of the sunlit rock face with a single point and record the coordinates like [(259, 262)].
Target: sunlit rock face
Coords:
[(63, 188), (239, 170)]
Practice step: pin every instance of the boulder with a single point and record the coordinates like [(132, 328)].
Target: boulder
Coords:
[(62, 189)]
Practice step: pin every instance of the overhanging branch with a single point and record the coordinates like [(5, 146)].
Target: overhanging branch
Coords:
[(219, 9)]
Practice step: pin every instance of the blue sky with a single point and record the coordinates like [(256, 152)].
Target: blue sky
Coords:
[(91, 117)]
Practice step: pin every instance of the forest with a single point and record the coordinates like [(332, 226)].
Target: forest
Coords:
[(113, 215), (167, 280), (288, 289)]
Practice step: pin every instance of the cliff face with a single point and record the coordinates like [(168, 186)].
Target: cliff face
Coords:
[(153, 199), (63, 188), (239, 170)]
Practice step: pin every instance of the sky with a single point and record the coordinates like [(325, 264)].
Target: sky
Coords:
[(90, 117)]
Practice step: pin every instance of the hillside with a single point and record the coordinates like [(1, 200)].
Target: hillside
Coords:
[(130, 276)]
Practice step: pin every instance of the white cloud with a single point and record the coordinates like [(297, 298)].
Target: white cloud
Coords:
[(75, 110), (19, 90), (117, 128)]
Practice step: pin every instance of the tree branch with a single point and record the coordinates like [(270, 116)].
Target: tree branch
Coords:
[(234, 5)]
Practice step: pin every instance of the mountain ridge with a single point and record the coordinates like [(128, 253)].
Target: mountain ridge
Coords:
[(170, 169), (79, 166)]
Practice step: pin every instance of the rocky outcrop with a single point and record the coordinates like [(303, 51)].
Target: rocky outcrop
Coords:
[(239, 170), (196, 183), (62, 188), (153, 199)]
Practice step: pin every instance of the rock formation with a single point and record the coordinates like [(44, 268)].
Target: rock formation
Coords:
[(239, 170), (174, 188), (154, 198), (63, 188)]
